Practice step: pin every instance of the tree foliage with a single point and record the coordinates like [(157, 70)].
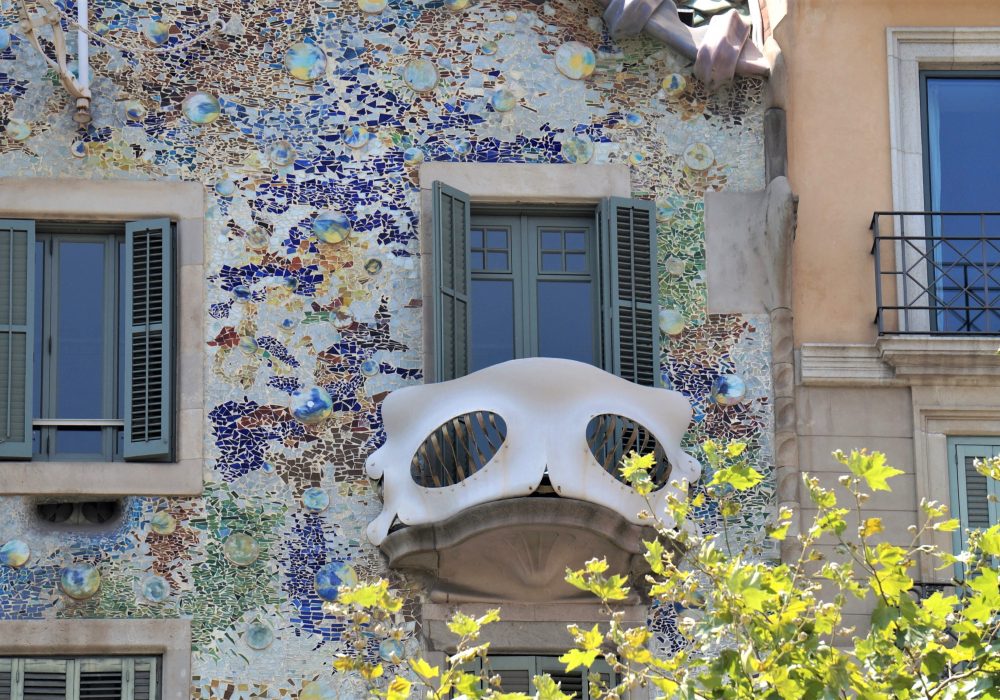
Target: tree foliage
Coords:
[(753, 628)]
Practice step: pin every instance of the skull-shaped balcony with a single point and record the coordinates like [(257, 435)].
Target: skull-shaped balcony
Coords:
[(495, 482)]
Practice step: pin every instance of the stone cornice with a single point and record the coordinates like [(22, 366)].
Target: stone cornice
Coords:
[(901, 361)]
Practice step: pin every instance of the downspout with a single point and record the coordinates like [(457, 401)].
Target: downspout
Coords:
[(82, 115)]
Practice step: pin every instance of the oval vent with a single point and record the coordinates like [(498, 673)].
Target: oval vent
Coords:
[(612, 437), (457, 449)]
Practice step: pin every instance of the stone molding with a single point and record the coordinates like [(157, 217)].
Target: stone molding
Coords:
[(830, 364), (900, 361), (171, 639)]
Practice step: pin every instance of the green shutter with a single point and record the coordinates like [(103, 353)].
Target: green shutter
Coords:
[(149, 347), (17, 290), (452, 282), (629, 290), (972, 491)]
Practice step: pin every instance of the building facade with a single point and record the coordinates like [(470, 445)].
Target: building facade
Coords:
[(234, 229), (894, 334)]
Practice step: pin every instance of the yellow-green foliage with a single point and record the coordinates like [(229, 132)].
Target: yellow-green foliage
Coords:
[(755, 629)]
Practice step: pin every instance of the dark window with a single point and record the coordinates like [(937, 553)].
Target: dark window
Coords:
[(533, 292), (962, 147), (78, 379)]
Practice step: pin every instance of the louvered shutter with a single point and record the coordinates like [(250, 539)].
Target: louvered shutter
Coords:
[(629, 290), (975, 508), (6, 678), (452, 282), (17, 287), (48, 679), (516, 673), (149, 318), (103, 679)]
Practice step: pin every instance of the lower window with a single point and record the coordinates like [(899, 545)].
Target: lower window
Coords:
[(517, 674), (973, 495), (80, 678)]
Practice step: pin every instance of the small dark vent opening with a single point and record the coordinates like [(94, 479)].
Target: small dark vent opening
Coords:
[(85, 513), (457, 449), (612, 437)]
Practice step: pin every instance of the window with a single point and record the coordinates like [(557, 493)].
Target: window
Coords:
[(973, 495), (962, 174), (571, 283), (93, 306), (516, 674), (80, 678)]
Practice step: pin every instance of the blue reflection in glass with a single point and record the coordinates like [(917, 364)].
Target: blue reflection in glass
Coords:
[(492, 313), (80, 332), (36, 403), (964, 175), (566, 320)]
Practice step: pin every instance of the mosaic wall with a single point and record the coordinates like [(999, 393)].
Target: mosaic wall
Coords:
[(307, 122)]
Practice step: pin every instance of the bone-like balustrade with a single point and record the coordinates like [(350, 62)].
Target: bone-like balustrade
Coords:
[(546, 404)]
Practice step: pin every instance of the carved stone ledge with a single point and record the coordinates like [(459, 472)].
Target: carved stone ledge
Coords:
[(936, 357), (901, 361), (518, 549), (828, 364)]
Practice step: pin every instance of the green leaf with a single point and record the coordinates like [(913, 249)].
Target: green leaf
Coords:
[(871, 467), (424, 669), (399, 689), (741, 477), (548, 689), (578, 657), (989, 541)]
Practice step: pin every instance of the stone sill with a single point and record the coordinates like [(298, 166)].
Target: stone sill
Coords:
[(105, 479), (901, 361)]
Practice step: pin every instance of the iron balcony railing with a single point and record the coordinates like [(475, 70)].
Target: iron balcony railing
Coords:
[(937, 272)]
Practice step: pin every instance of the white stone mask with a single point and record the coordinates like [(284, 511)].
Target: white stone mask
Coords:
[(547, 405)]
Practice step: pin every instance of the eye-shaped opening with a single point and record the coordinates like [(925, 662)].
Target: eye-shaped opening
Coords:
[(612, 437), (457, 449)]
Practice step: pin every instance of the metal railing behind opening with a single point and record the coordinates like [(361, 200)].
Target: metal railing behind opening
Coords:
[(937, 272)]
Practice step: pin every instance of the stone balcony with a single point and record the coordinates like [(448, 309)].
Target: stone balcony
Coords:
[(495, 482)]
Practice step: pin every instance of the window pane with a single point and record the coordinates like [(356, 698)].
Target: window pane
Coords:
[(476, 260), (85, 442), (551, 240), (477, 238), (964, 175), (492, 322), (576, 262), (576, 240), (36, 403), (497, 262), (123, 336), (79, 338), (566, 320), (552, 262), (496, 238)]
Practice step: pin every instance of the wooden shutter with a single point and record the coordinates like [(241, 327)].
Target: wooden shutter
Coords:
[(972, 490), (6, 679), (17, 313), (48, 679), (516, 673), (630, 290), (452, 282), (149, 325)]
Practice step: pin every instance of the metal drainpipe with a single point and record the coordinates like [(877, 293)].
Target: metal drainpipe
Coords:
[(82, 115)]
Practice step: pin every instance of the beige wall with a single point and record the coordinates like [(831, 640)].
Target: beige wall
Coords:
[(838, 148)]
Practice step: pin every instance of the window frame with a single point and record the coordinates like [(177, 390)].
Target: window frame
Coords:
[(525, 185), (47, 329), (73, 667), (122, 201), (525, 267), (938, 313), (170, 639), (959, 448), (910, 52)]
